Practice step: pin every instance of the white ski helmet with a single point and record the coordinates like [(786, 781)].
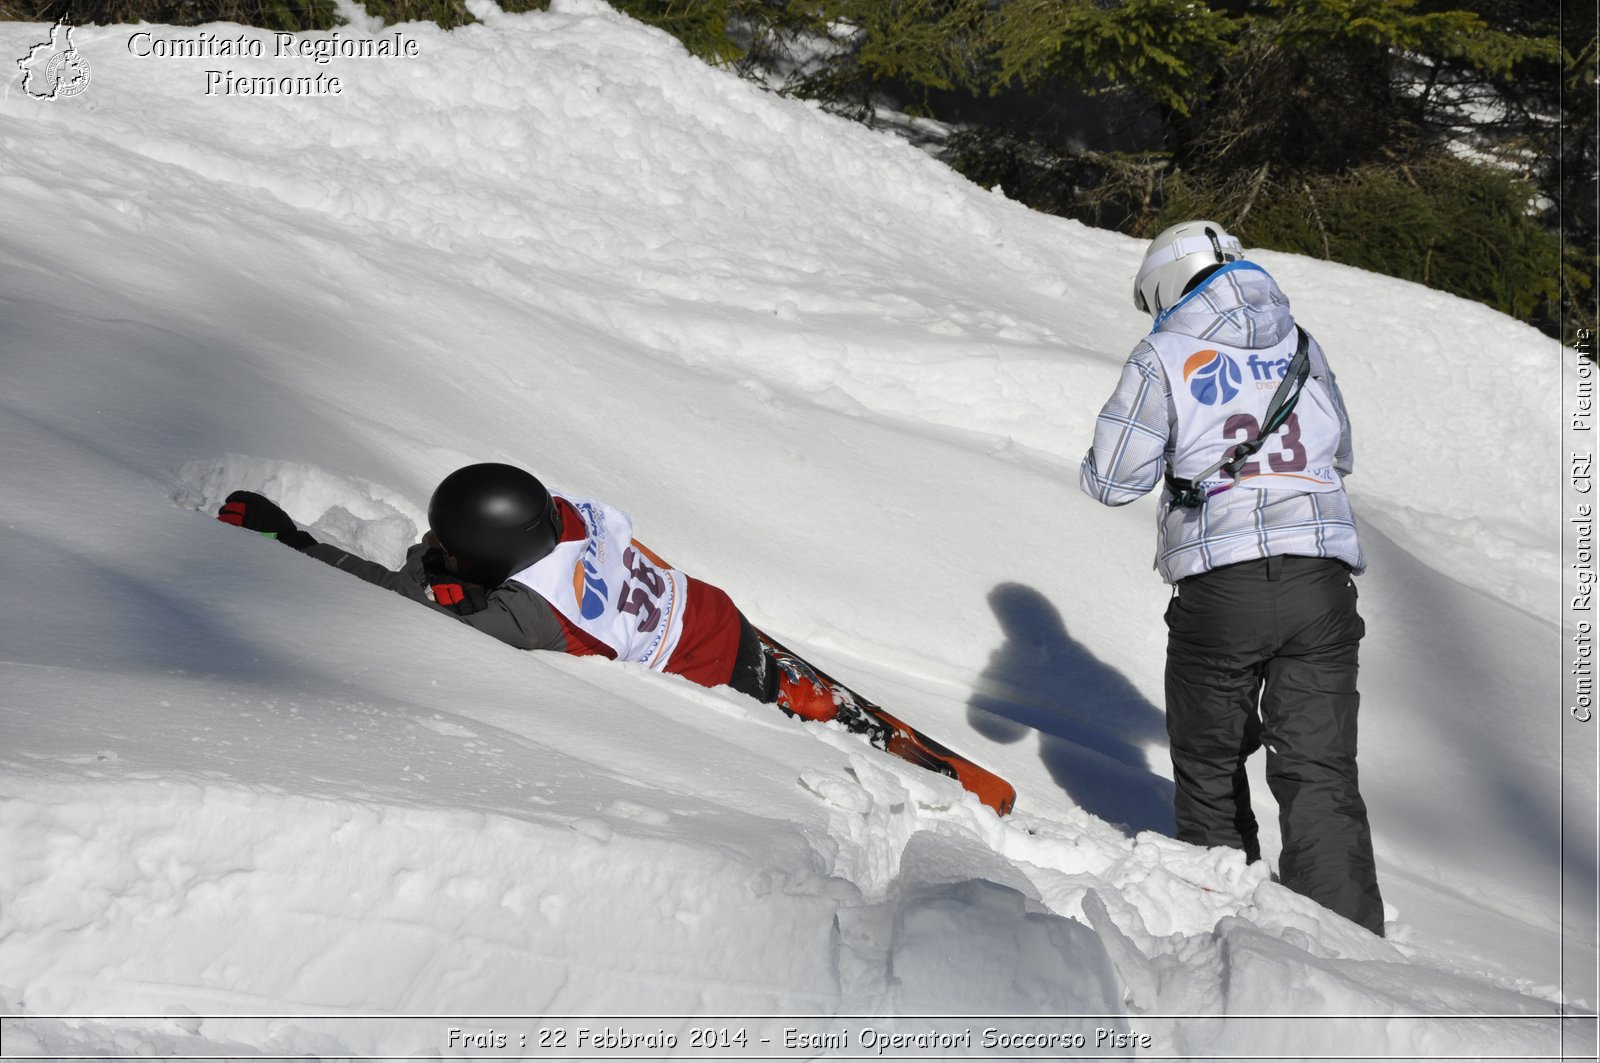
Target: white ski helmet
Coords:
[(1175, 257)]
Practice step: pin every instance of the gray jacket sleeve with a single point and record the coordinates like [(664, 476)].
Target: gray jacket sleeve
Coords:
[(515, 614)]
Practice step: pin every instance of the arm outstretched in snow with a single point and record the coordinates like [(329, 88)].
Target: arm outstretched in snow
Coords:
[(512, 613)]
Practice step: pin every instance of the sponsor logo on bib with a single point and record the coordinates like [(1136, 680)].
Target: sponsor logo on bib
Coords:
[(587, 586), (1212, 376), (1268, 371), (589, 589)]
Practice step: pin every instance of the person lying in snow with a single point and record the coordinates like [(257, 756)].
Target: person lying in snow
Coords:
[(541, 570)]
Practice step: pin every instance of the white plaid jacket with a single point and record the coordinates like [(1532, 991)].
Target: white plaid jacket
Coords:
[(1133, 434)]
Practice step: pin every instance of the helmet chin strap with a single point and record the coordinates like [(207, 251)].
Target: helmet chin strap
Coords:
[(483, 575)]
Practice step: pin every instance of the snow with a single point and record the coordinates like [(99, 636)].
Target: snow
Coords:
[(819, 370)]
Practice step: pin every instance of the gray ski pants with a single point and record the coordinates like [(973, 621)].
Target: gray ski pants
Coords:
[(1265, 652)]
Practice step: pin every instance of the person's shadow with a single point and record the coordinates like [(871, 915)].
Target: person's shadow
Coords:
[(1094, 726)]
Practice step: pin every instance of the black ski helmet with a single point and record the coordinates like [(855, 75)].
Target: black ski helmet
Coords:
[(496, 518)]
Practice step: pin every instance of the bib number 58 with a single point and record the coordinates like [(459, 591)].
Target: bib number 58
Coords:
[(642, 599)]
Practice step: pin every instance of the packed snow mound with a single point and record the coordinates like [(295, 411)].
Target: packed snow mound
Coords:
[(354, 515), (819, 370)]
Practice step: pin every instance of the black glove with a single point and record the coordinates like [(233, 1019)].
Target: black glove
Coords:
[(246, 509), (458, 596)]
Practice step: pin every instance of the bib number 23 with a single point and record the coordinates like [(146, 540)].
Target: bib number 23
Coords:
[(1288, 453)]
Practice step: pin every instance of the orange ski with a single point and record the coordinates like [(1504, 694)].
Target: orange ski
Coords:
[(799, 686)]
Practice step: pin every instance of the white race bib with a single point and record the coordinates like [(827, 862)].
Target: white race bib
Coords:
[(609, 587), (1220, 396)]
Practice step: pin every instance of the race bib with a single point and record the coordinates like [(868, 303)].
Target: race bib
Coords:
[(612, 588), (1221, 396)]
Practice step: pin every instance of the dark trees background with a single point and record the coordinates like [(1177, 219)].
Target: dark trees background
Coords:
[(1451, 142)]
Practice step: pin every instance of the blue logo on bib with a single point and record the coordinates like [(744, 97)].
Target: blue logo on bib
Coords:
[(1212, 376), (589, 589), (587, 586)]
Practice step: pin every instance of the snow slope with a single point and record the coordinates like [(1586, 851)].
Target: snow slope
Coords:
[(821, 371)]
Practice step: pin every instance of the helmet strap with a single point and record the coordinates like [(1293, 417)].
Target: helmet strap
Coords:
[(1236, 264), (1216, 244)]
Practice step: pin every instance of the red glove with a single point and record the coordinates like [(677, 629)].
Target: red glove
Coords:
[(458, 596)]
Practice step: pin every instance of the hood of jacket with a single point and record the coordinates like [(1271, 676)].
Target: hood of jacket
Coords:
[(1240, 305)]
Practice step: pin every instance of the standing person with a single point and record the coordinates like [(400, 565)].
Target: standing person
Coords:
[(1234, 407), (541, 570)]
